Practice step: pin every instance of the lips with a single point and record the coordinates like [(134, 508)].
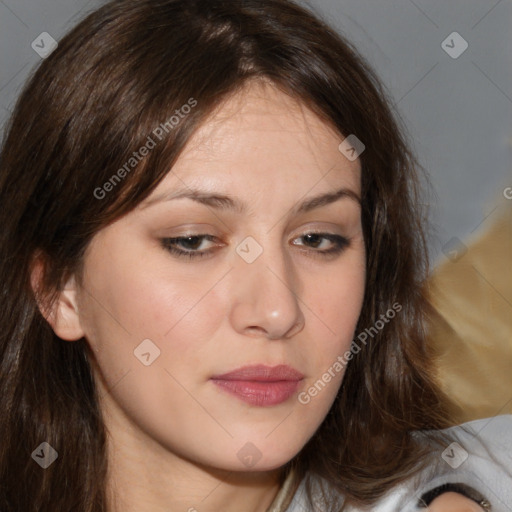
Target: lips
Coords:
[(260, 385), (262, 373)]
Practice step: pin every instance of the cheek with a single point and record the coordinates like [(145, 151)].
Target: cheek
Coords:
[(337, 303), (125, 308)]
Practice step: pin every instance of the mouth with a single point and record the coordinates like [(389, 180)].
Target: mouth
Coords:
[(260, 385)]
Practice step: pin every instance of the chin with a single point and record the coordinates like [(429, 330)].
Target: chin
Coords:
[(249, 458), (269, 458)]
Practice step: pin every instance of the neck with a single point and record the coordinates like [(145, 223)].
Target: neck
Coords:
[(195, 491)]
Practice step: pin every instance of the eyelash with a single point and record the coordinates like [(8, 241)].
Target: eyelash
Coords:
[(340, 244)]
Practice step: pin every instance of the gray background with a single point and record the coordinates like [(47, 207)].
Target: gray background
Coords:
[(458, 110)]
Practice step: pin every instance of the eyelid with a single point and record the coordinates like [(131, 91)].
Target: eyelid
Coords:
[(339, 242)]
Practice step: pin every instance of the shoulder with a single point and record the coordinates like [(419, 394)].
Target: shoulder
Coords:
[(473, 459)]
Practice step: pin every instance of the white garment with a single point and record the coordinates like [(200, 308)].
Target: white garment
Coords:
[(487, 443)]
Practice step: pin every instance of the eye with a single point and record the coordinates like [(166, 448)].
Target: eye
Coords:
[(191, 243), (189, 246), (335, 243)]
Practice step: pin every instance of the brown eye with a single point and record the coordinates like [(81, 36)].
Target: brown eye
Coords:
[(189, 244), (315, 240)]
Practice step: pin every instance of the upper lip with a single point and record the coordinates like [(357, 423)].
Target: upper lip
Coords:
[(261, 372)]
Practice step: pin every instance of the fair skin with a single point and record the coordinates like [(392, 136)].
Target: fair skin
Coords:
[(174, 437)]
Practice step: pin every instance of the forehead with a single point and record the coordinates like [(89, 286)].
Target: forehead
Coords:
[(263, 116), (261, 132), (266, 149)]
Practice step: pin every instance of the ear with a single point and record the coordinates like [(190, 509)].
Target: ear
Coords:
[(62, 314)]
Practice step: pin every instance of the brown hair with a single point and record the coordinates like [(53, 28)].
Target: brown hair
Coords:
[(112, 80)]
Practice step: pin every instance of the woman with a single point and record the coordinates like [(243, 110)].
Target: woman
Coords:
[(211, 272)]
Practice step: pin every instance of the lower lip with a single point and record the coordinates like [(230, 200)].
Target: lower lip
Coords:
[(260, 393)]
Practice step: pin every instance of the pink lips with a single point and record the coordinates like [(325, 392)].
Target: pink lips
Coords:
[(259, 384)]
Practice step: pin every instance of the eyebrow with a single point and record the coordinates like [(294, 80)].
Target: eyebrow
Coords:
[(226, 202)]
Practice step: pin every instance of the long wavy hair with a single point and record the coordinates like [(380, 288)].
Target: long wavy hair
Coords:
[(120, 73)]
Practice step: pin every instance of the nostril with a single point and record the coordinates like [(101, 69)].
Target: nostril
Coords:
[(254, 329)]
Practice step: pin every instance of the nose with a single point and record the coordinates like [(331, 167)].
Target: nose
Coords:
[(266, 300)]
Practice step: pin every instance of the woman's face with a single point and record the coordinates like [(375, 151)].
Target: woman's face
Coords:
[(165, 317)]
